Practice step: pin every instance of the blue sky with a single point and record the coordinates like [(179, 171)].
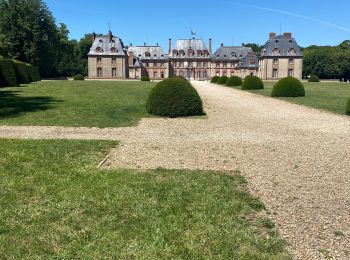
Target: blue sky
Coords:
[(231, 22)]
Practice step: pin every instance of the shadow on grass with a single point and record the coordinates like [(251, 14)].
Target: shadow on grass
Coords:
[(12, 104)]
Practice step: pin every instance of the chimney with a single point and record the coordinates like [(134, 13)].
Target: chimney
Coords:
[(93, 36), (157, 44), (110, 36), (222, 45), (210, 44), (287, 35), (131, 58), (144, 44), (272, 35), (169, 45)]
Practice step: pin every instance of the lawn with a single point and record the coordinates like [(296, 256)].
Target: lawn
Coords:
[(329, 96), (55, 203), (75, 103)]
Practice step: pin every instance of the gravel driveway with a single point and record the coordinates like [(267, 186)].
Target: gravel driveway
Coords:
[(296, 159)]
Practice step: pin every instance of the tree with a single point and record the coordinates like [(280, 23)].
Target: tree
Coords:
[(28, 33), (255, 47)]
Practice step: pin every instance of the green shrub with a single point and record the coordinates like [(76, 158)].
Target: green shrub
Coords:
[(214, 79), (21, 72), (234, 81), (174, 98), (145, 78), (347, 111), (314, 78), (222, 80), (78, 77), (252, 82), (33, 72), (180, 78), (8, 73), (288, 87)]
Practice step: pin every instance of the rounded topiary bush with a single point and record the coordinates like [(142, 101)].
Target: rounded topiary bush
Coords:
[(314, 78), (252, 82), (174, 98), (78, 77), (214, 79), (145, 78), (222, 80), (180, 78), (234, 81), (347, 111), (288, 87)]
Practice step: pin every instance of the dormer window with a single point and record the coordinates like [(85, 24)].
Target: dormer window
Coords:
[(162, 55), (113, 41), (290, 41), (199, 53), (225, 55), (99, 49), (113, 49), (190, 52), (275, 51), (147, 54), (277, 41), (155, 55), (233, 55), (100, 41), (182, 53), (291, 51)]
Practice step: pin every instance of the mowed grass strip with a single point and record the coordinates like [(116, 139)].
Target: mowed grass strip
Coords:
[(329, 96), (55, 203), (75, 103)]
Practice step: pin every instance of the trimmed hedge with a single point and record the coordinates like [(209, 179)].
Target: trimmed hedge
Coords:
[(252, 82), (33, 72), (214, 79), (78, 77), (8, 73), (347, 111), (145, 78), (234, 81), (222, 80), (21, 72), (288, 87), (314, 78), (174, 98)]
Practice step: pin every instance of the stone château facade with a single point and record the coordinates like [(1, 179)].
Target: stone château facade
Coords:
[(193, 58)]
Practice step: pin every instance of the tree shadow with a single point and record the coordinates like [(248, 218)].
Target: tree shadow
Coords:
[(12, 104)]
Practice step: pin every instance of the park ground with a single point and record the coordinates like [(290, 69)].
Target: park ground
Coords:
[(57, 199)]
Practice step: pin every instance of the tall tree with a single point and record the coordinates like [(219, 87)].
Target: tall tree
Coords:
[(28, 32)]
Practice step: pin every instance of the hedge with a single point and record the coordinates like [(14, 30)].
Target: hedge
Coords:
[(21, 72), (33, 72), (8, 73), (78, 77), (174, 98), (314, 78), (234, 81), (288, 87), (252, 82), (222, 80), (214, 79), (145, 78), (347, 111)]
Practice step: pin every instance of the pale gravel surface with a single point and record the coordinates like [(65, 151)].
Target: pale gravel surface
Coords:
[(296, 159)]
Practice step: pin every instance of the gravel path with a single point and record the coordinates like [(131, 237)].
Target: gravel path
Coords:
[(296, 159)]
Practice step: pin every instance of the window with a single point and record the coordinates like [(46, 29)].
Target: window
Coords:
[(276, 51), (218, 64), (275, 61), (290, 73), (205, 64), (100, 41), (190, 64), (162, 75), (162, 64), (199, 64), (114, 60), (275, 73), (155, 64), (199, 74), (147, 54), (233, 55), (291, 61), (114, 72), (113, 49), (99, 49), (291, 51), (224, 64), (146, 64), (99, 72), (204, 73), (155, 75), (181, 64), (98, 59)]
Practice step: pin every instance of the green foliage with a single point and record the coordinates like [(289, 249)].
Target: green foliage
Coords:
[(255, 47), (8, 73), (252, 82), (180, 78), (33, 72), (347, 110), (234, 81), (313, 78), (288, 87), (145, 78), (78, 77), (174, 98), (222, 80), (21, 72), (214, 79)]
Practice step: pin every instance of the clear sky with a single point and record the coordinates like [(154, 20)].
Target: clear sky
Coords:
[(229, 21)]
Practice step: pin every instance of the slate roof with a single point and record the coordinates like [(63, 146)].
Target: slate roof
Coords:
[(281, 46), (102, 46), (156, 52), (187, 45), (245, 56)]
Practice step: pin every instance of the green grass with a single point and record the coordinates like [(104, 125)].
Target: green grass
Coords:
[(329, 96), (55, 203), (75, 103)]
